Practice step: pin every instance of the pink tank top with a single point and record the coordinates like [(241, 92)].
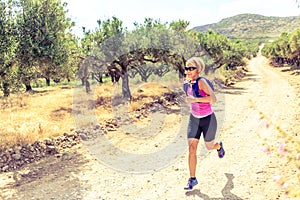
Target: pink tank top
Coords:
[(202, 109)]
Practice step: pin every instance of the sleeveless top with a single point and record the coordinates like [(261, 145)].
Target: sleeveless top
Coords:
[(200, 110)]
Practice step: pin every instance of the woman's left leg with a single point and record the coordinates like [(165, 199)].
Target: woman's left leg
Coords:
[(209, 133), (212, 145)]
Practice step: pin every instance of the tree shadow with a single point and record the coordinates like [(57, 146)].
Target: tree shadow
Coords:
[(226, 191), (63, 109), (33, 91), (294, 70), (233, 90), (290, 69), (296, 73)]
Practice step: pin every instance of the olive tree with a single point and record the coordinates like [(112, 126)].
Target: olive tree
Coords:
[(42, 39)]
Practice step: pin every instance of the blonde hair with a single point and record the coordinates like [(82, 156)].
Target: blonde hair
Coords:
[(196, 62)]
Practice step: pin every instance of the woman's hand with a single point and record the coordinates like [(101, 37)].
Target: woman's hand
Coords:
[(191, 99)]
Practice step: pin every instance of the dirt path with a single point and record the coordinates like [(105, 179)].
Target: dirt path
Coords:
[(246, 171)]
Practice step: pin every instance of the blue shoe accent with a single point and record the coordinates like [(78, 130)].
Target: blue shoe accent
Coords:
[(221, 152), (191, 184)]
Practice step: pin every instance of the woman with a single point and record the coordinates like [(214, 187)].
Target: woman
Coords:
[(202, 118)]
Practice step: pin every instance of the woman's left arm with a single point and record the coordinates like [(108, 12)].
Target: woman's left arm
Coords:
[(211, 97)]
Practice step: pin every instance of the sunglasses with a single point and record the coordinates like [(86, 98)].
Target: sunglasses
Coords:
[(190, 68)]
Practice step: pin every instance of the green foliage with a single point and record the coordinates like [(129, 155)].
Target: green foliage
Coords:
[(8, 42), (222, 50), (252, 47), (294, 41), (106, 30), (179, 25), (285, 49), (43, 41)]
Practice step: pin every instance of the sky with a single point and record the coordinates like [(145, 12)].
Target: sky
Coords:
[(197, 12)]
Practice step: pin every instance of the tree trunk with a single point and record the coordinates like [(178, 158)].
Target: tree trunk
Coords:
[(27, 84), (6, 90), (180, 72), (125, 87), (47, 81), (100, 78), (87, 86), (28, 87), (144, 78)]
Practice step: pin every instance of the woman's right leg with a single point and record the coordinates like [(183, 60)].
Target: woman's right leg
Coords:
[(193, 139), (193, 144)]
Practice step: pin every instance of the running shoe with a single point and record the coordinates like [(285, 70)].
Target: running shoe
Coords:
[(191, 184), (221, 151)]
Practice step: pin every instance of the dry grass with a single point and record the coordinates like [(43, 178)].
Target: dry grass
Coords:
[(26, 118), (49, 112)]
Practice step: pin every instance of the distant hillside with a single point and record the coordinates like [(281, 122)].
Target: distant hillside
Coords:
[(253, 26)]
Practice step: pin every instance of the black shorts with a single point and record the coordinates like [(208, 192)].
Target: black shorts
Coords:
[(207, 125)]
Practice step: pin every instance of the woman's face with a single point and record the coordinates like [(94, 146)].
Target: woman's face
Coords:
[(191, 72)]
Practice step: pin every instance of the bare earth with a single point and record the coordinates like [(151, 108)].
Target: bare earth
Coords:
[(246, 171)]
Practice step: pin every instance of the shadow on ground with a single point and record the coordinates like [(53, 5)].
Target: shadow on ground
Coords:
[(226, 191), (233, 90), (293, 70)]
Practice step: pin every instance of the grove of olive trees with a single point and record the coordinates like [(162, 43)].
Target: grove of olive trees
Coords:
[(36, 42)]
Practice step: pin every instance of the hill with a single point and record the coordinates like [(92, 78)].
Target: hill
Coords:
[(253, 26)]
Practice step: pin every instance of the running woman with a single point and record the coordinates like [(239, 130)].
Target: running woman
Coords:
[(202, 118)]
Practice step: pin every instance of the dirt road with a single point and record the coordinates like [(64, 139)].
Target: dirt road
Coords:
[(246, 171)]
